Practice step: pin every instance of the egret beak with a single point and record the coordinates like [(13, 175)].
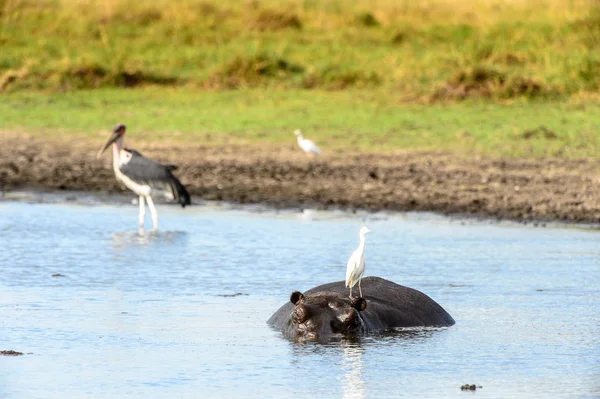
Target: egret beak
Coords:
[(113, 137), (297, 132)]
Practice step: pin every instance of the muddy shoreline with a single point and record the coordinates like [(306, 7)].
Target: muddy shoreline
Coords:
[(520, 190)]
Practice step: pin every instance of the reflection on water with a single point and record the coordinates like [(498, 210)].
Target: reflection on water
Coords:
[(183, 311), (148, 237), (415, 334), (353, 385)]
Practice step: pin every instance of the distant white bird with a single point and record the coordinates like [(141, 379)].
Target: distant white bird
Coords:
[(307, 146), (356, 264)]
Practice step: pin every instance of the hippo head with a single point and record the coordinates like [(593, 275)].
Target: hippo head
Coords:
[(323, 314)]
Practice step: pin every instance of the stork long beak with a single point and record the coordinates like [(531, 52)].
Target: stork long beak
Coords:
[(113, 137)]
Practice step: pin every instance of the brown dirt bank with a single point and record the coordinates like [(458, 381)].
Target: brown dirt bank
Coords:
[(547, 189)]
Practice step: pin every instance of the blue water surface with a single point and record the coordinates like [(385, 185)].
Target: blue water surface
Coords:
[(102, 311)]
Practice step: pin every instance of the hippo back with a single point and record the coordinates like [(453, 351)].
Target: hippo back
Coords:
[(388, 305), (393, 305)]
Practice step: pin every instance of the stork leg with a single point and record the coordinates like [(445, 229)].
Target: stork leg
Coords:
[(359, 289), (152, 212), (142, 213)]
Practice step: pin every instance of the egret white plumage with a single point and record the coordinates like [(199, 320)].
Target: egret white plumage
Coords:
[(356, 264), (144, 176), (307, 146)]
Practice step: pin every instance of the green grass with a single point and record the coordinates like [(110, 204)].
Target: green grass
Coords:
[(351, 120), (439, 50), (498, 77)]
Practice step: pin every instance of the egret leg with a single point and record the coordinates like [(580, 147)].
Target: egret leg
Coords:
[(359, 289), (350, 292), (152, 212), (142, 212)]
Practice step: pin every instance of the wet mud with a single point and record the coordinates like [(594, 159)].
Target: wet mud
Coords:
[(515, 189)]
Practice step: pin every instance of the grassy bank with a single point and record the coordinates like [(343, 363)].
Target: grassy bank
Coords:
[(345, 120), (499, 77), (434, 51)]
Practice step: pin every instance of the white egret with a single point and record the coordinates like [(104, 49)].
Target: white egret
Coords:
[(356, 264), (307, 146)]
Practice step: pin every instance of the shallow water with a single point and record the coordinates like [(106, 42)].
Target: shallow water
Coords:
[(182, 313)]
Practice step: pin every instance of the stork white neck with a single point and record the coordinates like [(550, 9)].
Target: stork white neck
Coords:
[(116, 148)]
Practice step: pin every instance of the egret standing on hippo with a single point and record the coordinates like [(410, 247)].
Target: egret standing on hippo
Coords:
[(325, 311), (355, 268)]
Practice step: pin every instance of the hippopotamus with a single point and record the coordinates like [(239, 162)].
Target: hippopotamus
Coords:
[(326, 311)]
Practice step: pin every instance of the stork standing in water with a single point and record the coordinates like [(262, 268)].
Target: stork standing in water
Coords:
[(144, 176), (307, 146), (356, 264)]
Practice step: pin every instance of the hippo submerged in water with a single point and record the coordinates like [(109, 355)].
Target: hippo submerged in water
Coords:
[(326, 310)]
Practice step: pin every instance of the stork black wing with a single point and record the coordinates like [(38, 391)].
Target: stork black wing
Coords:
[(143, 170)]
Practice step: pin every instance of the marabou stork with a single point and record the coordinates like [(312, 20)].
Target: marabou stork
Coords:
[(144, 176)]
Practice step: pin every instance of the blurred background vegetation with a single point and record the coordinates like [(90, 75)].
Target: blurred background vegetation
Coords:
[(382, 52), (424, 50)]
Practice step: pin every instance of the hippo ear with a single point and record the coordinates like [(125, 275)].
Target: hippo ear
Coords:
[(295, 297), (359, 304)]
